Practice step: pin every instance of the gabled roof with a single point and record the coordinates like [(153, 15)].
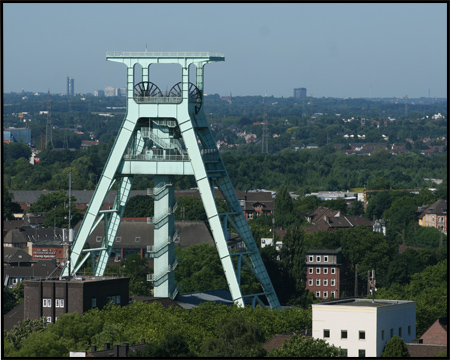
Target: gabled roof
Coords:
[(191, 233), (13, 317), (438, 208), (15, 255), (425, 350)]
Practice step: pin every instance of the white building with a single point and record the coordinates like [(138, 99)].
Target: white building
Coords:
[(361, 327)]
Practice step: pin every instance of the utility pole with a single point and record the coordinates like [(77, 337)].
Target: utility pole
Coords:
[(265, 135), (356, 279), (372, 282), (49, 128), (70, 215)]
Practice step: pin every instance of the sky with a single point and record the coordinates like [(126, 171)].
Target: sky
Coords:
[(332, 50)]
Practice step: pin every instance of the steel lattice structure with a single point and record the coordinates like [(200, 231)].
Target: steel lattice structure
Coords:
[(163, 136)]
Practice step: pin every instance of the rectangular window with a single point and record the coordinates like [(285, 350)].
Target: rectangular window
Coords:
[(399, 332), (311, 258), (326, 333), (47, 302), (344, 334), (333, 294), (345, 352), (333, 270), (325, 294), (94, 302), (318, 258), (49, 319), (333, 282), (325, 270), (382, 334), (409, 330), (318, 270), (392, 333), (98, 239), (325, 258), (118, 239), (325, 282), (317, 293), (311, 270), (362, 353), (59, 303), (362, 335), (137, 239), (317, 282), (310, 282)]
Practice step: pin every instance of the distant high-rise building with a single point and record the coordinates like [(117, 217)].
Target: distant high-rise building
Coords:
[(110, 91), (70, 86), (300, 92)]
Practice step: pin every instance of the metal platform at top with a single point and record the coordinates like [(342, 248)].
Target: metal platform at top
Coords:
[(198, 56)]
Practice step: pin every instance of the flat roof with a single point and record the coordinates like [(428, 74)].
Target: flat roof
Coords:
[(365, 302)]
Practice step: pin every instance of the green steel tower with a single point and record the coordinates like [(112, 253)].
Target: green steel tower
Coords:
[(165, 135)]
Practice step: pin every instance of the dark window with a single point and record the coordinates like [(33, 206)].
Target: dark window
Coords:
[(345, 351), (362, 335), (326, 333), (343, 334), (362, 353), (138, 239)]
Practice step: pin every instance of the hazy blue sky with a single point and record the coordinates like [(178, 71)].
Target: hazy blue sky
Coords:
[(333, 50)]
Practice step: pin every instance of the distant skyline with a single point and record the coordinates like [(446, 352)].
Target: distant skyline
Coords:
[(333, 50)]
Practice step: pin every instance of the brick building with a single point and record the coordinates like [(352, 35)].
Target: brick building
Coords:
[(437, 333), (323, 272), (52, 298)]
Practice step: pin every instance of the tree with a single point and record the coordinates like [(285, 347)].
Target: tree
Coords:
[(55, 205), (139, 206), (292, 256), (173, 345), (23, 329), (300, 347), (200, 269), (235, 338), (137, 270), (283, 208), (395, 347)]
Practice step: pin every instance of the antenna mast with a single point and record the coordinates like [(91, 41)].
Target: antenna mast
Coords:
[(49, 129)]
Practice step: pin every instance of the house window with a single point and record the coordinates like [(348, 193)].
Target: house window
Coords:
[(345, 352), (317, 282), (49, 319), (325, 270), (318, 258), (98, 238), (362, 353), (318, 270), (94, 302), (311, 270), (333, 282), (250, 215), (311, 258), (333, 294), (326, 333), (325, 258), (382, 334), (409, 330), (362, 335), (399, 332), (325, 294), (59, 303), (325, 282), (137, 239), (47, 302), (392, 333), (118, 239), (343, 334), (333, 270), (317, 293), (310, 282)]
